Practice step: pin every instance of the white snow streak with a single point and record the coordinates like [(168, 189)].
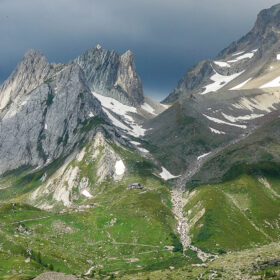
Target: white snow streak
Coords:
[(273, 83), (263, 102), (202, 156), (242, 118), (235, 54), (143, 150), (124, 112), (241, 85), (222, 64), (220, 81), (166, 175), (243, 56), (223, 122), (115, 121), (148, 108), (216, 131), (135, 143)]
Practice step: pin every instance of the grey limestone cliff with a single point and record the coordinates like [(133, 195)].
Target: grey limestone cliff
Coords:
[(112, 75), (43, 119)]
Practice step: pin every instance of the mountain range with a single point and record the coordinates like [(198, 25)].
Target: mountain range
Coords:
[(100, 181)]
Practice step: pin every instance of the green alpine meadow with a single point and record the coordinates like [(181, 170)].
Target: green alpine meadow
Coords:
[(98, 180)]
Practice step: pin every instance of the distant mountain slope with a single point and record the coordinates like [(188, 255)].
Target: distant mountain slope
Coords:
[(252, 60), (228, 97), (258, 153)]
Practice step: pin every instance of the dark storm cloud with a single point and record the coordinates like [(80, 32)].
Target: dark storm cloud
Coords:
[(166, 36)]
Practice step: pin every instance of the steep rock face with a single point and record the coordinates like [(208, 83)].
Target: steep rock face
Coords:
[(193, 79), (45, 123), (112, 75), (29, 73), (265, 32), (128, 79)]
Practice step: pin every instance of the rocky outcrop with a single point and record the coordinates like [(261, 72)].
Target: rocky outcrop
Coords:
[(69, 183), (44, 122), (128, 79), (112, 75), (193, 79), (29, 73)]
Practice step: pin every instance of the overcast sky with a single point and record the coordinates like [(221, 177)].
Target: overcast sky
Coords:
[(166, 36)]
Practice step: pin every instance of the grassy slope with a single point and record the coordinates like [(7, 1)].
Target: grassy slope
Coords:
[(239, 214), (126, 230), (260, 263)]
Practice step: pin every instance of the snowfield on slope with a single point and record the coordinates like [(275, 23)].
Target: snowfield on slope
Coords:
[(273, 83), (219, 82), (148, 108), (202, 156), (223, 122), (243, 56), (166, 175), (222, 64), (119, 167), (124, 111), (263, 102), (86, 194)]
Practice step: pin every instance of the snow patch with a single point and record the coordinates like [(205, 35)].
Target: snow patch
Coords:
[(278, 57), (236, 54), (166, 175), (143, 150), (263, 102), (86, 194), (273, 83), (148, 108), (119, 167), (124, 112), (135, 143), (241, 85), (219, 81), (91, 115), (223, 122), (244, 56), (203, 156), (222, 64), (242, 118), (216, 131), (115, 121), (46, 126)]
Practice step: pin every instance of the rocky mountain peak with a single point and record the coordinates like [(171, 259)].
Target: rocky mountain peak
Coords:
[(267, 21), (29, 73), (264, 35), (128, 78), (112, 75), (31, 54)]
